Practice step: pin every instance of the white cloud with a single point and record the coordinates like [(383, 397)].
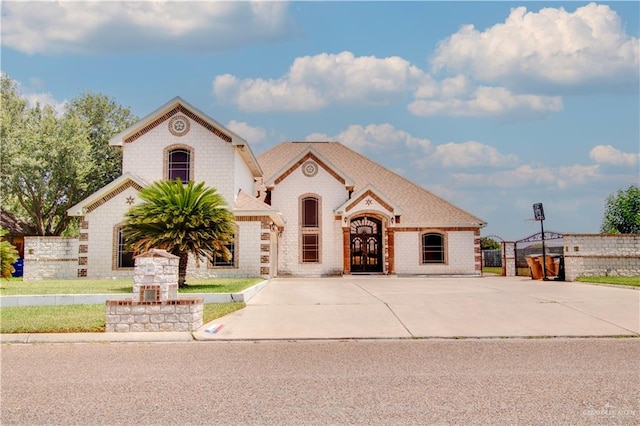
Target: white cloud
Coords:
[(552, 47), (607, 154), (470, 154), (314, 82), (34, 97), (527, 176), (103, 26), (45, 98), (374, 137), (485, 101), (253, 135)]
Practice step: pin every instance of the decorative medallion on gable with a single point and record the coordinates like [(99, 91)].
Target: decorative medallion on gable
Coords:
[(179, 125), (310, 168)]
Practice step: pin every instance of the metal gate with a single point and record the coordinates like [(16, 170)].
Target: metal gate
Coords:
[(366, 247)]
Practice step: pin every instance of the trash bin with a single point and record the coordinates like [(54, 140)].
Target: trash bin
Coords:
[(535, 266), (554, 266), (18, 267)]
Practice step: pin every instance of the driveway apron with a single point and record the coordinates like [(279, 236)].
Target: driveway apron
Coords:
[(361, 307)]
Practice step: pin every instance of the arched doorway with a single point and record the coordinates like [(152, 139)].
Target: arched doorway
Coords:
[(366, 245)]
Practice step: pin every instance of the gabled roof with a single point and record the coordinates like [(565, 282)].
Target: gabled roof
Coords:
[(179, 105), (419, 206), (370, 191), (247, 205), (309, 154), (106, 193)]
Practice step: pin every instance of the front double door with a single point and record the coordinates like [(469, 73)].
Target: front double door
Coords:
[(366, 245)]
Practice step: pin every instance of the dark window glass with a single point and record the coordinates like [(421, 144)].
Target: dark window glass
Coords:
[(310, 213), (432, 248), (310, 248), (179, 164), (125, 258)]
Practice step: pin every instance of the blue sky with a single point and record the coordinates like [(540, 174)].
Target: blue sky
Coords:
[(494, 106)]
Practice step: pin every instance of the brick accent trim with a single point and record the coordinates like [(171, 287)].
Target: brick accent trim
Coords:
[(427, 229), (391, 244), (369, 193), (118, 190), (252, 218), (170, 114), (346, 250), (300, 162), (181, 301)]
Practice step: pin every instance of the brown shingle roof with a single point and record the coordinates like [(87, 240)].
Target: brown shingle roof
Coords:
[(15, 225), (419, 206), (247, 205)]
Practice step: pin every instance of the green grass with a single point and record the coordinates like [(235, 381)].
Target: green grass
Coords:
[(14, 286), (217, 310), (53, 319), (79, 318), (631, 281), (222, 285)]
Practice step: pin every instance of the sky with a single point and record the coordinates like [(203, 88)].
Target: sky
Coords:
[(494, 106)]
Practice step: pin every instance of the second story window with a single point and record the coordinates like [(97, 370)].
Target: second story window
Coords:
[(310, 229), (179, 165)]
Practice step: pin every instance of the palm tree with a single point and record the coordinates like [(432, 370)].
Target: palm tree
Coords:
[(182, 219)]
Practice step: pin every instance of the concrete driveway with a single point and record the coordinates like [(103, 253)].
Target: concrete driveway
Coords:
[(395, 307)]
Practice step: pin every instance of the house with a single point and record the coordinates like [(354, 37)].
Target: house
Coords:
[(17, 229), (301, 208)]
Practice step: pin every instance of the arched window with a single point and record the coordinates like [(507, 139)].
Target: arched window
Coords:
[(179, 164), (310, 229), (433, 248)]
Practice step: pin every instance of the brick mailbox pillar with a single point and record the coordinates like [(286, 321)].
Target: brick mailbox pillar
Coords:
[(155, 276), (155, 305)]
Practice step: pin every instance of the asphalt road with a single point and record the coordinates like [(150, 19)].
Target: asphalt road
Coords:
[(487, 381)]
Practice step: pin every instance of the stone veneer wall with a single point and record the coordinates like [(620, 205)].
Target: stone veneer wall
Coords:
[(50, 257), (509, 261), (601, 254), (174, 315)]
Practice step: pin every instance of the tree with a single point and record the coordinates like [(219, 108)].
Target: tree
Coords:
[(52, 161), (182, 219), (487, 243), (622, 212), (45, 166), (8, 256), (104, 119)]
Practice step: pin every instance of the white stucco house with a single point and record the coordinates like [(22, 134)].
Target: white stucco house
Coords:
[(301, 208)]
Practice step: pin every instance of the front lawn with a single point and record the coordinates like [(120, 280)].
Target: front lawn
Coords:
[(631, 281), (79, 318), (15, 286)]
